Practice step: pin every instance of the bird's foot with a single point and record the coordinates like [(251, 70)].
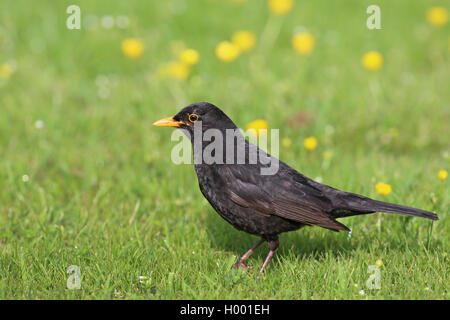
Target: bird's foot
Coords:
[(240, 264)]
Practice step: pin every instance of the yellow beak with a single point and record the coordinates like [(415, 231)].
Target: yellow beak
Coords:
[(168, 122)]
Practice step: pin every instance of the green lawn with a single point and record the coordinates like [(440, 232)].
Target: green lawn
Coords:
[(92, 184)]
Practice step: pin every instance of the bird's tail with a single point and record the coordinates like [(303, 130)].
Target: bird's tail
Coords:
[(360, 205), (400, 209)]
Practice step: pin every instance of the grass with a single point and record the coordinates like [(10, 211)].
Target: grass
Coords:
[(103, 195)]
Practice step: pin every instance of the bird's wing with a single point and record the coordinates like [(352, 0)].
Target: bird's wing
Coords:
[(286, 194)]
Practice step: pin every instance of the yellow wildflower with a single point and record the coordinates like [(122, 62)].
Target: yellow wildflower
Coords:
[(303, 43), (437, 16), (310, 143), (286, 142), (372, 60), (383, 188), (244, 40), (327, 155), (255, 127), (175, 70), (379, 263), (442, 174), (148, 158), (132, 48), (189, 56), (280, 7), (227, 51), (5, 70)]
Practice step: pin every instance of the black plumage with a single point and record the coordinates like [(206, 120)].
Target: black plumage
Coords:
[(267, 205)]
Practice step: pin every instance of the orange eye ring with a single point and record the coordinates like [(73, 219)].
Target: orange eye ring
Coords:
[(193, 117)]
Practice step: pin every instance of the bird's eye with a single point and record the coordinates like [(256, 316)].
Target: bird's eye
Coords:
[(193, 117)]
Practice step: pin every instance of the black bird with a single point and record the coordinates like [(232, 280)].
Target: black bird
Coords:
[(267, 205)]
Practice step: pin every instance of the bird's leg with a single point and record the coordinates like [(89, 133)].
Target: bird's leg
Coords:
[(273, 246), (240, 263)]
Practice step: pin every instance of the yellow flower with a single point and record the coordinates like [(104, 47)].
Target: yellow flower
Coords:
[(148, 158), (372, 60), (437, 16), (310, 143), (281, 7), (5, 70), (327, 155), (132, 48), (286, 142), (244, 40), (303, 43), (254, 128), (189, 56), (227, 51), (442, 174), (383, 188), (379, 263), (175, 70)]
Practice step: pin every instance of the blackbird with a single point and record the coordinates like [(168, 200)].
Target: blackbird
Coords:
[(267, 204)]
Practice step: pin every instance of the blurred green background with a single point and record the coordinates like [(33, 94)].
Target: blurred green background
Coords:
[(86, 180)]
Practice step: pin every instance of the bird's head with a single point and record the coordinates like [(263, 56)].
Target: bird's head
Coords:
[(204, 113)]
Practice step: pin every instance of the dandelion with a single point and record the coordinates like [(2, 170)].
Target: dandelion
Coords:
[(148, 158), (107, 22), (437, 16), (39, 124), (442, 174), (189, 57), (122, 22), (372, 60), (280, 7), (327, 155), (383, 188), (6, 70), (286, 142), (303, 43), (379, 263), (144, 280), (310, 143), (90, 22), (329, 129), (245, 40), (175, 70), (227, 51), (132, 48), (256, 127), (103, 92)]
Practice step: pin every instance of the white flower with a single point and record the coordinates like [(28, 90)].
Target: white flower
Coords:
[(39, 124), (361, 292), (104, 92), (144, 279), (25, 178), (107, 22), (122, 22)]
